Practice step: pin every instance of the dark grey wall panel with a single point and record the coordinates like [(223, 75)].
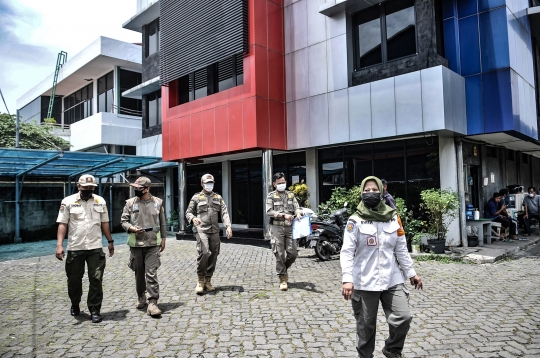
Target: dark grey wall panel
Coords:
[(198, 33)]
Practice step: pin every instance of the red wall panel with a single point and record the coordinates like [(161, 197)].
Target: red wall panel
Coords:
[(246, 117)]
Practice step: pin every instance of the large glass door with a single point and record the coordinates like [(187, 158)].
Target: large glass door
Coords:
[(247, 201)]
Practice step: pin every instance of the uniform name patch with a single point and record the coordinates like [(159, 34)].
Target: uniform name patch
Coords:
[(350, 226), (371, 241)]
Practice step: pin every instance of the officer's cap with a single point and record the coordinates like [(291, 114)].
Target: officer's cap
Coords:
[(141, 182), (87, 180), (207, 178)]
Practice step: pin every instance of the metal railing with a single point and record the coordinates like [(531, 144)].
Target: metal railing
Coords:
[(128, 111)]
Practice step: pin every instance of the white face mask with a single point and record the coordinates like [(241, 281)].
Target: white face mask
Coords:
[(531, 195), (281, 187), (209, 186)]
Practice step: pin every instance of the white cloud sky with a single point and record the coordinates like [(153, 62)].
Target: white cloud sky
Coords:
[(32, 32)]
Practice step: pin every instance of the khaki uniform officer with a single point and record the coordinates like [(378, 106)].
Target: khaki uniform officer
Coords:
[(281, 206), (203, 210), (144, 219), (84, 217)]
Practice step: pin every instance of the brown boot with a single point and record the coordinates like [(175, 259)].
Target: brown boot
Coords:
[(200, 285), (207, 284), (153, 309), (283, 282)]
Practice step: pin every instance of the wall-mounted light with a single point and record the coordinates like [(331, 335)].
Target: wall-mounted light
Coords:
[(475, 151), (486, 181), (492, 176)]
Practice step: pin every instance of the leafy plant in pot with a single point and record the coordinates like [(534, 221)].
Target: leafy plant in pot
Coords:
[(416, 241), (441, 207), (413, 227)]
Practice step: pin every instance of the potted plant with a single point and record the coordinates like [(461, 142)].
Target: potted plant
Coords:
[(441, 208), (172, 220), (416, 241), (413, 227)]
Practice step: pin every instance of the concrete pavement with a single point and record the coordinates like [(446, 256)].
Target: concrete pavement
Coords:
[(488, 310)]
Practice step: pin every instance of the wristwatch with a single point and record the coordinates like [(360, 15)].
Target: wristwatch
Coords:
[(110, 242)]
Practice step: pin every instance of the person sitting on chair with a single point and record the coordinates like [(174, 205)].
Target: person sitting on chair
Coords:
[(531, 204), (503, 204), (493, 212)]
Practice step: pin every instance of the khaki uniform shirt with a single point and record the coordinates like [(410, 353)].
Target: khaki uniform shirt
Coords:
[(84, 220), (206, 208), (281, 202), (145, 214)]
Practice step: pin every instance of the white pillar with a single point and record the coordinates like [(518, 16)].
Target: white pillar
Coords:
[(226, 191), (169, 191), (182, 193), (267, 173), (312, 177), (449, 180)]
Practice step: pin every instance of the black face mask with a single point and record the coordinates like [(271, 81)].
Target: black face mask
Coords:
[(87, 193), (139, 194), (371, 199)]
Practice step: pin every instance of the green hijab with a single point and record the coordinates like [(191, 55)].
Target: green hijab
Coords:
[(381, 212)]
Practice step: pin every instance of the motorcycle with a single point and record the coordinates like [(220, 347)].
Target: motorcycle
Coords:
[(327, 235)]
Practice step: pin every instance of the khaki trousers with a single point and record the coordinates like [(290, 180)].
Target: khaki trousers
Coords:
[(284, 247), (395, 303), (146, 262), (75, 260), (208, 249)]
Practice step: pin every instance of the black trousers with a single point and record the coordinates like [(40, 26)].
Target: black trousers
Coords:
[(507, 222), (75, 260), (527, 221)]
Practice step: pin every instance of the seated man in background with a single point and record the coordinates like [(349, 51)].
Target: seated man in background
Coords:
[(493, 212), (503, 204), (531, 203)]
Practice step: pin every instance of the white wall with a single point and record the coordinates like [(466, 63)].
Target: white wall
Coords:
[(449, 177), (105, 128)]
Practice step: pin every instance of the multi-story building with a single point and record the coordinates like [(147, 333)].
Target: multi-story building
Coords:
[(423, 93), (89, 109)]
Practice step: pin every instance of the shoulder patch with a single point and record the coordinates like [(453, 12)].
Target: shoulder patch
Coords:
[(62, 208), (350, 226)]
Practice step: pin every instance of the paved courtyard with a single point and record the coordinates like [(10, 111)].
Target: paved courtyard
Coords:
[(465, 310)]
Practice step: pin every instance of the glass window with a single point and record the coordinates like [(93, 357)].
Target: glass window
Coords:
[(385, 33), (105, 92), (101, 102), (225, 74), (369, 37), (154, 109), (201, 83), (212, 79), (400, 30), (153, 38), (128, 80), (184, 89)]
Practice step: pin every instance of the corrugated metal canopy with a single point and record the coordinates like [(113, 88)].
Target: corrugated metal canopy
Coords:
[(16, 162)]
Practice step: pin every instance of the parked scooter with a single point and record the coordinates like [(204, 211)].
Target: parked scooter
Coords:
[(327, 235)]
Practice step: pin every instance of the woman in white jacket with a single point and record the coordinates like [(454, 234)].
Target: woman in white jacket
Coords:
[(374, 262)]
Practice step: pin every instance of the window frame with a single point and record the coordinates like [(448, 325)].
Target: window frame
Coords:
[(158, 98), (147, 38), (212, 80), (382, 20)]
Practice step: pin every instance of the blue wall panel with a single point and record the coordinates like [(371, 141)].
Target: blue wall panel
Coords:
[(473, 92), (469, 46), (449, 8), (466, 8), (494, 40), (484, 5), (497, 98), (451, 49)]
